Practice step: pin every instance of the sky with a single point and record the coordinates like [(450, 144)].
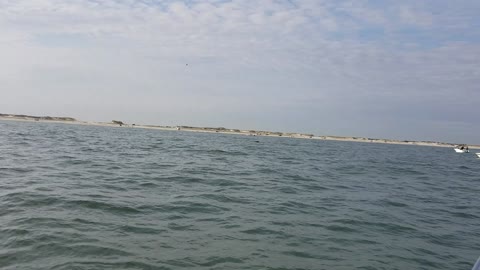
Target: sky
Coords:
[(406, 70)]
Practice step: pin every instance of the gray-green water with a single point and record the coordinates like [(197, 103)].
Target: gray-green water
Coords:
[(83, 197)]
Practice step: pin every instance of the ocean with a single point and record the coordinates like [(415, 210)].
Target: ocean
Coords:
[(88, 197)]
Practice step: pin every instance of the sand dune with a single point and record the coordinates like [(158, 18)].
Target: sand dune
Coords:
[(222, 130)]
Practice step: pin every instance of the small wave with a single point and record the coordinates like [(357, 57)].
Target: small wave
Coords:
[(288, 190), (148, 185), (225, 198), (79, 249), (103, 206), (463, 215), (76, 162), (265, 231), (214, 261), (339, 186), (187, 207), (216, 152), (393, 203), (28, 199), (180, 179), (139, 230), (89, 223), (296, 207), (17, 170), (387, 227), (102, 264), (180, 227), (299, 254), (297, 177), (339, 228), (314, 187)]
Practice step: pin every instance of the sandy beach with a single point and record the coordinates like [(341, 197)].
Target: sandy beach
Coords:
[(221, 130)]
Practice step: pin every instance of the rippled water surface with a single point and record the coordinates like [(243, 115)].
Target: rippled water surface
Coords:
[(84, 197)]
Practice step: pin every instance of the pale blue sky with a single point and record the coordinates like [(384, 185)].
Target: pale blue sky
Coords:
[(385, 69)]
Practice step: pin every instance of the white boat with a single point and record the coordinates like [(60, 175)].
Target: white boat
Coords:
[(477, 264), (461, 149), (478, 155)]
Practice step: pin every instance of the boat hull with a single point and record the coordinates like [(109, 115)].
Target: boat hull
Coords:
[(478, 155), (460, 150)]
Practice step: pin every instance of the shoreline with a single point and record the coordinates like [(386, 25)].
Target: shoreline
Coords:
[(220, 130)]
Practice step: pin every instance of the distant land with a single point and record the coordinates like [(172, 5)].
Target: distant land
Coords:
[(36, 118), (118, 123)]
